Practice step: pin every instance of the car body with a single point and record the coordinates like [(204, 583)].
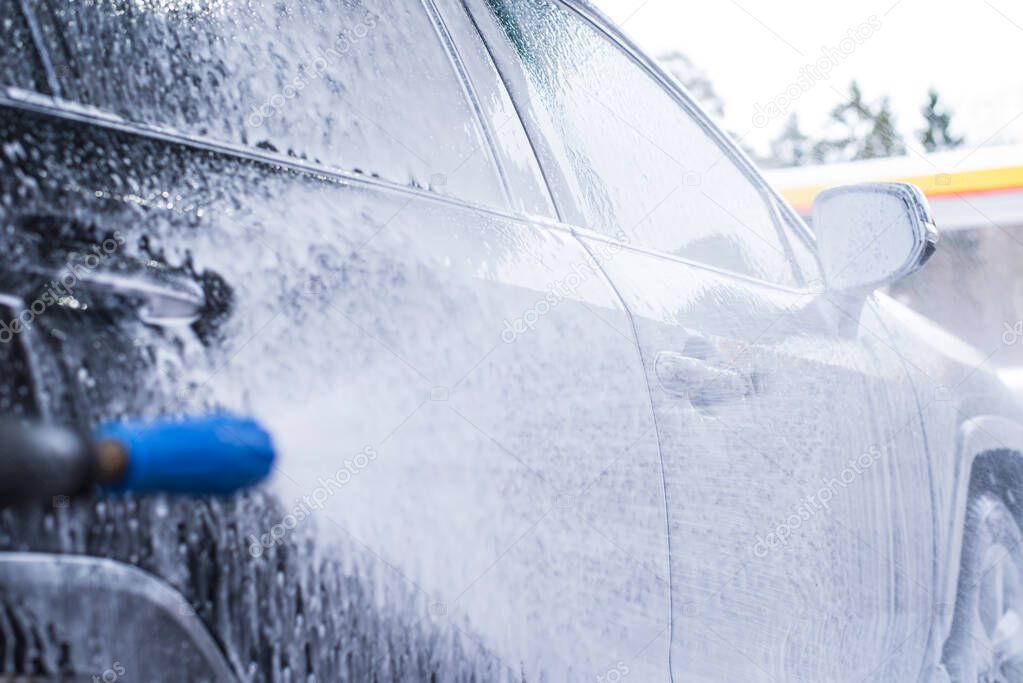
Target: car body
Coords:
[(559, 390)]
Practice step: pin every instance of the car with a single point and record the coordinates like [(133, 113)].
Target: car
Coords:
[(562, 389)]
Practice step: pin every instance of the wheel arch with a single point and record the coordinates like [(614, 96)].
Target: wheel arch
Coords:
[(989, 454)]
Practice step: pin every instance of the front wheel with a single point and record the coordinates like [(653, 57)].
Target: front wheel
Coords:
[(986, 644)]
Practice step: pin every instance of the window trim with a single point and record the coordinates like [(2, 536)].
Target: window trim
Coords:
[(458, 27), (17, 100), (470, 94)]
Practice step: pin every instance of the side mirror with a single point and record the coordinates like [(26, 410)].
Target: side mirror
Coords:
[(872, 234)]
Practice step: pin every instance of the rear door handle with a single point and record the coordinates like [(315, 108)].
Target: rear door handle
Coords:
[(59, 261), (159, 295), (704, 383), (165, 298)]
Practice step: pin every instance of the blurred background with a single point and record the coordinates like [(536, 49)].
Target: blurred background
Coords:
[(922, 91)]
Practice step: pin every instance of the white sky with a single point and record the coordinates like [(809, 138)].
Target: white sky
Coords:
[(971, 50)]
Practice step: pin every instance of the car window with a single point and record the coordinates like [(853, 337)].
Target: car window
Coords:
[(635, 162), (361, 85)]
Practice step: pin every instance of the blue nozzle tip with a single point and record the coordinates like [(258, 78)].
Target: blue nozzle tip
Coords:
[(211, 454)]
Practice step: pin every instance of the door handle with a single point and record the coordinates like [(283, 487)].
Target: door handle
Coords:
[(704, 383), (165, 298), (61, 262), (158, 295)]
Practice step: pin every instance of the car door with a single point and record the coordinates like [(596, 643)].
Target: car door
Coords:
[(795, 475), (457, 497)]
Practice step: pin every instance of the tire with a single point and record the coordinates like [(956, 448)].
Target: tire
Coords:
[(986, 643)]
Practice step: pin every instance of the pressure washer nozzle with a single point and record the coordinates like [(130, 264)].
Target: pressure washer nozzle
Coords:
[(211, 454), (219, 453)]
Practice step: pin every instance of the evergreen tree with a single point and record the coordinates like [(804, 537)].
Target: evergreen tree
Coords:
[(882, 140), (866, 131), (792, 147), (938, 119)]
